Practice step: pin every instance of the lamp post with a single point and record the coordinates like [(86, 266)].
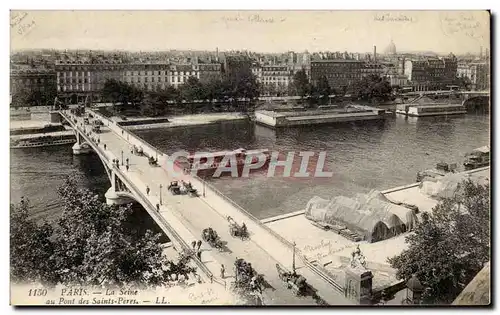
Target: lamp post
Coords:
[(122, 157), (161, 203), (293, 262), (204, 186)]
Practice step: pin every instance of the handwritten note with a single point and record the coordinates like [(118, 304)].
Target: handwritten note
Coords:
[(324, 249), (462, 23), (394, 17), (207, 296), (21, 23), (254, 18)]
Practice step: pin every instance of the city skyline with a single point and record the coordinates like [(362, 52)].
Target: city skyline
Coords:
[(259, 31)]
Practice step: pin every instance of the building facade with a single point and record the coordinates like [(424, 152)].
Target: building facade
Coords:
[(77, 82), (340, 73), (274, 80), (397, 80), (431, 73), (478, 74), (39, 83), (209, 72)]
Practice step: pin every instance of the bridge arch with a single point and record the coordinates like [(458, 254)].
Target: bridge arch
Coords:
[(477, 102)]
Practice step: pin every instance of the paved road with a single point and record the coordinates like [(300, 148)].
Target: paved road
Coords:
[(196, 215)]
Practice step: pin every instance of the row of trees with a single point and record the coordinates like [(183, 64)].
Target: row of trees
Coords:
[(239, 87), (90, 244), (450, 246), (26, 97), (372, 88)]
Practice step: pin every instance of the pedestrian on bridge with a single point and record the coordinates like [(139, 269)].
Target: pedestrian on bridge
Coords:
[(157, 205), (222, 271), (105, 146), (193, 243), (126, 160), (199, 245), (147, 190), (198, 253), (126, 167)]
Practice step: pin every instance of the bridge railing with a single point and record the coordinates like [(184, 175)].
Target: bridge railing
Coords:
[(131, 138), (149, 206)]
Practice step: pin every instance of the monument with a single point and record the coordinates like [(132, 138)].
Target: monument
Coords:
[(358, 279)]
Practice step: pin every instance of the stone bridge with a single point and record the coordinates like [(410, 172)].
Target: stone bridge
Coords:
[(183, 218)]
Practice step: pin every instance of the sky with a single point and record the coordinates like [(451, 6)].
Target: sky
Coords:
[(263, 31)]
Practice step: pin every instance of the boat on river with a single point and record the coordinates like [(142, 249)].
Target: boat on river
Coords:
[(441, 170), (42, 141), (479, 157), (198, 162)]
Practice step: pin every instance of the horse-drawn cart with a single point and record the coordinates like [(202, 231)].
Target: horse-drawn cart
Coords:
[(174, 188), (189, 189), (152, 161), (292, 280), (247, 278), (137, 150), (210, 236), (236, 230)]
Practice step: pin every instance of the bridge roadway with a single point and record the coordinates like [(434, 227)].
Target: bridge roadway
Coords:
[(190, 215)]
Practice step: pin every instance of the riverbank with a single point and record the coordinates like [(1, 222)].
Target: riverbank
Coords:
[(184, 120)]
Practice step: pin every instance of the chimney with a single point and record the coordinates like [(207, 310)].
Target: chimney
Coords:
[(480, 51), (374, 53)]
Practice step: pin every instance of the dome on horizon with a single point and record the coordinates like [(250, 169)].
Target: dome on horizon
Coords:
[(391, 49)]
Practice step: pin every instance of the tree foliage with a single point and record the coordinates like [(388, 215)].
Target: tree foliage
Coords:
[(301, 83), (116, 92), (372, 88), (26, 97), (90, 244), (450, 246), (323, 89)]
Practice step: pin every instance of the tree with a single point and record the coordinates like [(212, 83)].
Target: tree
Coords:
[(463, 82), (111, 91), (192, 90), (301, 83), (450, 246), (30, 248), (372, 88), (323, 89), (116, 91), (90, 244), (153, 105)]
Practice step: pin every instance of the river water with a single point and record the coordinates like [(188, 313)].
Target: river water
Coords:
[(361, 157)]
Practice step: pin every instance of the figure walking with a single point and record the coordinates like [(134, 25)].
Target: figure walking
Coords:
[(105, 146), (222, 271), (199, 245), (198, 253), (157, 205), (126, 160), (193, 243), (147, 190), (126, 167)]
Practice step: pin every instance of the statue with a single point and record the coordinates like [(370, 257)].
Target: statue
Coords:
[(358, 260)]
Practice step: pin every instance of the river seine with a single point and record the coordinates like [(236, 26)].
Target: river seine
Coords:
[(362, 157)]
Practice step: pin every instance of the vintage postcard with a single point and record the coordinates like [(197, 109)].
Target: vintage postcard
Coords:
[(250, 158)]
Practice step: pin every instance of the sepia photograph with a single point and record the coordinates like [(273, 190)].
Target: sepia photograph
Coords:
[(250, 158)]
